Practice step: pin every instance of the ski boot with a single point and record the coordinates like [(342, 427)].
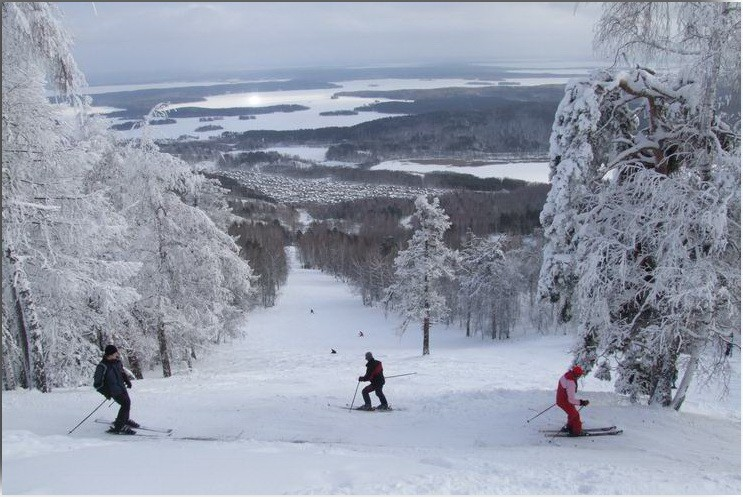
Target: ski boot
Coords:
[(124, 430)]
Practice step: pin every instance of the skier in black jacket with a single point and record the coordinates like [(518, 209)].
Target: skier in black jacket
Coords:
[(111, 381), (374, 374)]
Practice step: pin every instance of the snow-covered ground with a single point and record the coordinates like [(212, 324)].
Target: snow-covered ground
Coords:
[(276, 398), (526, 171)]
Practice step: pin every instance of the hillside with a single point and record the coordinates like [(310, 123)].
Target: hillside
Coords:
[(271, 400)]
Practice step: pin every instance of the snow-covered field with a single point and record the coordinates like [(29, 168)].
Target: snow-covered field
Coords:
[(527, 171), (272, 399)]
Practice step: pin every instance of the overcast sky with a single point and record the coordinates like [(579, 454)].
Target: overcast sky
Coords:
[(180, 37)]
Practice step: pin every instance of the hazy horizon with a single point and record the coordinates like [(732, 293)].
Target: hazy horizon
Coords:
[(131, 42)]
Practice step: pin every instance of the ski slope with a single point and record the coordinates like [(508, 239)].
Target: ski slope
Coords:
[(272, 400)]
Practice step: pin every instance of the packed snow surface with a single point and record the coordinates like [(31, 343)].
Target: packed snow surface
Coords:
[(272, 407)]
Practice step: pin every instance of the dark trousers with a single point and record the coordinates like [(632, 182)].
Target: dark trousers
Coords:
[(377, 390), (123, 400)]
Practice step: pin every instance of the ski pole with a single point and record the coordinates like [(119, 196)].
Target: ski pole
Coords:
[(550, 407), (398, 375), (354, 395), (89, 415)]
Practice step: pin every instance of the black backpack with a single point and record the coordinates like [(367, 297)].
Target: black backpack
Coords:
[(99, 380)]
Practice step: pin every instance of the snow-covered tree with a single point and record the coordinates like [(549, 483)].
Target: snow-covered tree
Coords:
[(648, 253), (419, 268), (581, 141), (192, 282), (56, 231), (102, 243), (525, 257), (489, 287)]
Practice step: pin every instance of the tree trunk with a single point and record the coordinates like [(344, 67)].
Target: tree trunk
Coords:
[(162, 340), (9, 379), (163, 344), (23, 342), (135, 364), (426, 329), (665, 375), (709, 89), (29, 328), (14, 322), (691, 368), (426, 306)]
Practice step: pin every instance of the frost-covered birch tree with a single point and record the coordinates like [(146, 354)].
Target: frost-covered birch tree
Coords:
[(649, 253), (192, 282), (102, 242), (419, 268), (56, 231)]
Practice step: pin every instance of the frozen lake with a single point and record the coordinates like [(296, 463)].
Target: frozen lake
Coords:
[(537, 172), (322, 100), (318, 101)]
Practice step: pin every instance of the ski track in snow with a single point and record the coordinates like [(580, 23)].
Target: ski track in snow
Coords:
[(272, 398)]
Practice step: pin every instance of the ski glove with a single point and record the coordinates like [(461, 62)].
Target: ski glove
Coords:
[(583, 403)]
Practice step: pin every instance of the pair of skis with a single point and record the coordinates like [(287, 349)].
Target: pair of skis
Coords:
[(587, 432), (372, 409), (163, 431), (153, 432)]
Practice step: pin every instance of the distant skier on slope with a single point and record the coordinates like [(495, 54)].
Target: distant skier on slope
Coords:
[(566, 399), (374, 374), (110, 380)]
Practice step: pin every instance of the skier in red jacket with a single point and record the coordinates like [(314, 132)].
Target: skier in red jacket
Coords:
[(566, 399)]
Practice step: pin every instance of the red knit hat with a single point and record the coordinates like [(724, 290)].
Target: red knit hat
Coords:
[(577, 370)]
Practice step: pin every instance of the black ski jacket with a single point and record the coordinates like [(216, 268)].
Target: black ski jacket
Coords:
[(374, 373), (110, 379)]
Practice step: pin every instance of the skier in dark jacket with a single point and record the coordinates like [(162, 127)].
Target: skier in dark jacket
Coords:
[(111, 381), (374, 374)]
